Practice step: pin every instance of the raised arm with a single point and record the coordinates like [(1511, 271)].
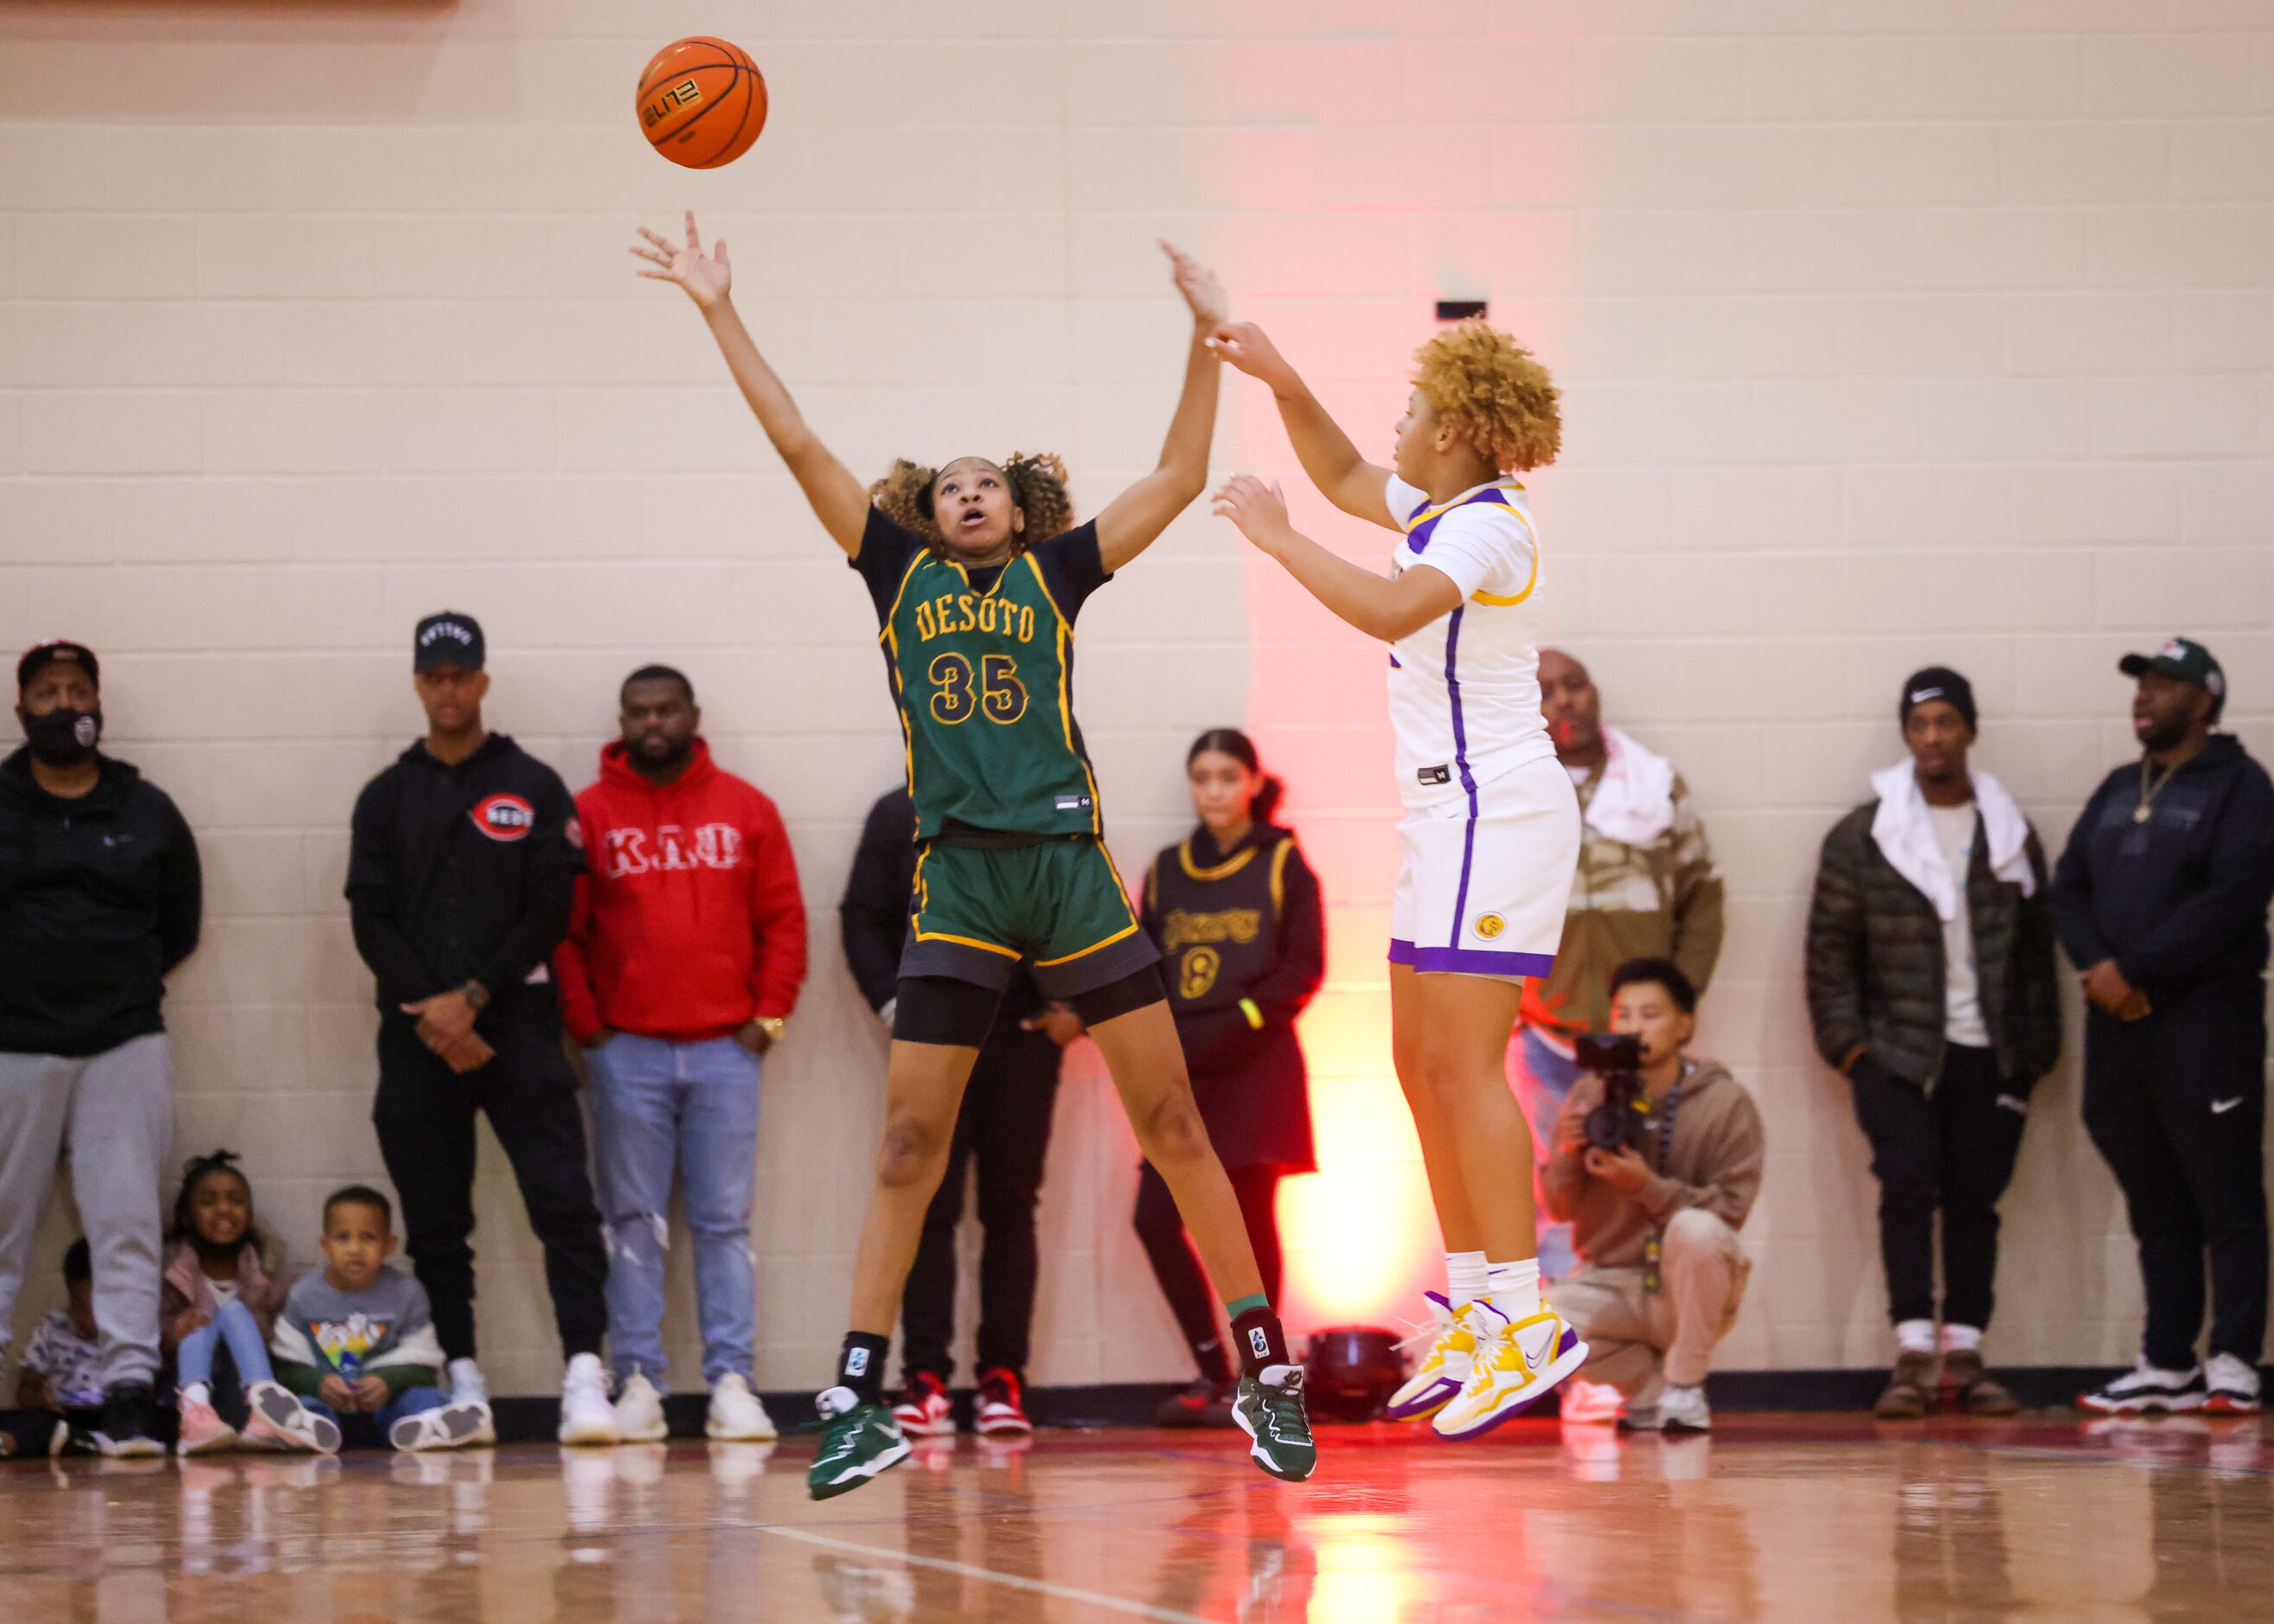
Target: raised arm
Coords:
[(1387, 609), (837, 498), (1132, 520), (1343, 477)]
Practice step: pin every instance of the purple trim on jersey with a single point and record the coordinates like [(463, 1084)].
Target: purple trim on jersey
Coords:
[(1460, 760), (1417, 538), (1469, 960)]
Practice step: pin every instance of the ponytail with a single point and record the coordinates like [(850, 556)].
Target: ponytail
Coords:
[(1265, 807)]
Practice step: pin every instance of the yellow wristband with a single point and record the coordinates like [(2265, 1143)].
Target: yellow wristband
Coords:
[(1254, 1016)]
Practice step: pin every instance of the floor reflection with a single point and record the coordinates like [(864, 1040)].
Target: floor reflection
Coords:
[(1770, 1517)]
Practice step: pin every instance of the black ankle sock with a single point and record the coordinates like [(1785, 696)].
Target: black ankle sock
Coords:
[(1260, 1340), (861, 1365)]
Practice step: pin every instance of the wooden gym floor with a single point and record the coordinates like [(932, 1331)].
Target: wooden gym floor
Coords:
[(1812, 1518)]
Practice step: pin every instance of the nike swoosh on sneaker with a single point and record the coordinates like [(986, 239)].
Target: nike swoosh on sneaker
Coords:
[(1533, 1341), (2219, 1107)]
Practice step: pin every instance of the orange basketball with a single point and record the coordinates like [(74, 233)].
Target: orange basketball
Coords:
[(702, 101)]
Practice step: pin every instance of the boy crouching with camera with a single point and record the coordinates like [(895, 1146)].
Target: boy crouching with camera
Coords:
[(1656, 1162)]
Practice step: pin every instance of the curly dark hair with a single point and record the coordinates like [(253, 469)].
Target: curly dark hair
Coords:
[(1038, 487)]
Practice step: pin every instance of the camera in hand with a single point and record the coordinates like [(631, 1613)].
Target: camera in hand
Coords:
[(1616, 1123)]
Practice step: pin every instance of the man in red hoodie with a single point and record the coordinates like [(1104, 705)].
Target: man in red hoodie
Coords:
[(683, 958)]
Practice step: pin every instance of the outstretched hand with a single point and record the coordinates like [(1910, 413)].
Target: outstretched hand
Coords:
[(1260, 510), (1250, 348), (1203, 293), (706, 278)]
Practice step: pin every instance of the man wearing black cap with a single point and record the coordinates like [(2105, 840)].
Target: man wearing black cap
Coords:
[(2161, 901), (461, 874), (100, 899), (1932, 987)]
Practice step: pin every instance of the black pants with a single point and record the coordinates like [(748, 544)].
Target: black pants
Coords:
[(1177, 1267), (2176, 1102), (1952, 1149), (425, 1114), (1003, 1128)]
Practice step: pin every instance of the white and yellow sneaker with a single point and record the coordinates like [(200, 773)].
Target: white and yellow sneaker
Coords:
[(1513, 1365), (1444, 1367)]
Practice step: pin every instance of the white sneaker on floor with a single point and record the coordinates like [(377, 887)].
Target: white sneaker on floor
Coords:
[(639, 1413), (586, 1416), (461, 1423), (737, 1415), (1591, 1404), (1683, 1410), (466, 1382)]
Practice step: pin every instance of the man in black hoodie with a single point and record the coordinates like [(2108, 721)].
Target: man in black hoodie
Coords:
[(2161, 900), (460, 872), (100, 899)]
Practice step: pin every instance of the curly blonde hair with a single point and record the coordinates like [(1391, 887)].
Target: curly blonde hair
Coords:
[(1493, 392), (1038, 482)]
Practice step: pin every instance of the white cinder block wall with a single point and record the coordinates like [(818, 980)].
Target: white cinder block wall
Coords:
[(1889, 334)]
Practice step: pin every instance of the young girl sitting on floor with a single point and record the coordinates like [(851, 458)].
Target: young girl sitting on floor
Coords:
[(218, 1292)]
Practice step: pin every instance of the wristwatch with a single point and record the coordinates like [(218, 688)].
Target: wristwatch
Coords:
[(773, 1025), (476, 995)]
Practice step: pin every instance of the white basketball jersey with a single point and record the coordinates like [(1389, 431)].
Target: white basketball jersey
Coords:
[(1464, 690)]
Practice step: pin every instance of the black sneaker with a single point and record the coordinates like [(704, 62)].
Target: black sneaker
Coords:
[(2145, 1390), (126, 1415), (1202, 1404), (1271, 1414)]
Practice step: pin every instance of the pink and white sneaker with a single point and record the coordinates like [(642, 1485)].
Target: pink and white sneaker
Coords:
[(203, 1431), (279, 1420)]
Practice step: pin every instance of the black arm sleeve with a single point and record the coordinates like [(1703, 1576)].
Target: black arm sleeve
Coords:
[(2231, 902), (548, 892), (2070, 898), (181, 893), (883, 560), (1073, 566), (402, 975), (873, 918)]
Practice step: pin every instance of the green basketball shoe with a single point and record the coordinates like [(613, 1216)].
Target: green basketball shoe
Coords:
[(862, 1440), (1279, 1429)]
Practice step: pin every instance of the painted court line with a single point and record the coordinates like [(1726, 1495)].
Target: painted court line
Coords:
[(1063, 1592)]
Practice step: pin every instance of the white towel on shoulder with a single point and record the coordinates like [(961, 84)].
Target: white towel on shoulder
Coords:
[(1906, 839), (1633, 801)]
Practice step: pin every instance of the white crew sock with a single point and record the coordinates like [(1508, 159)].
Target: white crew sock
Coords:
[(1915, 1336), (1465, 1277), (1961, 1338), (1514, 1287), (195, 1392)]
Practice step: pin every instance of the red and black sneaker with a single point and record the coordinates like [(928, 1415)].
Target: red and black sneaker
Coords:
[(2231, 1387), (1000, 1408), (1205, 1403), (924, 1410)]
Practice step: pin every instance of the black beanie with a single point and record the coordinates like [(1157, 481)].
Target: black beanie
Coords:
[(1938, 682)]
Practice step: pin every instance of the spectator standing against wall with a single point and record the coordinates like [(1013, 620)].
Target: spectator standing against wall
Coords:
[(100, 896), (680, 969), (2161, 899), (1002, 1136), (1932, 987), (1645, 887), (462, 871), (1655, 1221)]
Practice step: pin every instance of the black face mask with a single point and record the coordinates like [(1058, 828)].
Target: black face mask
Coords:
[(64, 737)]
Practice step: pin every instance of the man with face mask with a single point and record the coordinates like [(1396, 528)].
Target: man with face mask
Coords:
[(100, 899), (1655, 1221), (2160, 898), (680, 968)]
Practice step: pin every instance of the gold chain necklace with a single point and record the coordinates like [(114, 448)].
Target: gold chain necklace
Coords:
[(2141, 813)]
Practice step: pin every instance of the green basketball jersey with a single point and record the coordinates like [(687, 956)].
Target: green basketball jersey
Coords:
[(981, 663)]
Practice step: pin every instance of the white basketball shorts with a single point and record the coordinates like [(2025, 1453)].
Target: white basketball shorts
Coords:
[(1486, 879)]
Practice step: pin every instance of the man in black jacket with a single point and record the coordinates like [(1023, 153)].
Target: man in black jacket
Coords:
[(1003, 1126), (461, 875), (2161, 900), (1932, 987), (100, 899)]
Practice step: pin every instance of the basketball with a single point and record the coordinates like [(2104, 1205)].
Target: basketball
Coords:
[(702, 101)]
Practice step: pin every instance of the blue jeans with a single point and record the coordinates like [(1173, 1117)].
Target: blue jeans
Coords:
[(234, 1325), (1543, 1082), (369, 1429), (657, 1105)]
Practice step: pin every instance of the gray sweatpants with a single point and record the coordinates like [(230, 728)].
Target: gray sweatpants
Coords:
[(114, 1112)]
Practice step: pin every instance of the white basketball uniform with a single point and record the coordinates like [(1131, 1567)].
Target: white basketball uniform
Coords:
[(1491, 834)]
